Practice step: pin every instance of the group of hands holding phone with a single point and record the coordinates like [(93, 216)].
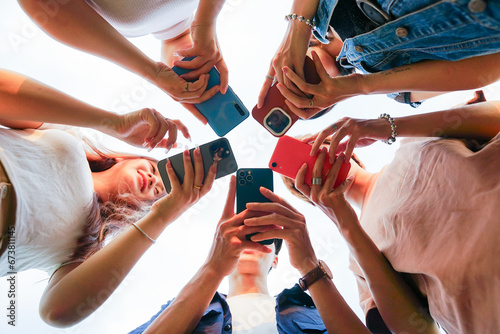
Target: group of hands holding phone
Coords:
[(261, 215)]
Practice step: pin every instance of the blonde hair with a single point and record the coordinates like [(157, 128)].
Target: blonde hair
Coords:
[(106, 219)]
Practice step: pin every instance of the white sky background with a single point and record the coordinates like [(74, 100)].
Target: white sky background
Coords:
[(249, 33)]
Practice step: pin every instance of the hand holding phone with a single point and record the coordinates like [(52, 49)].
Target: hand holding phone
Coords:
[(290, 154), (219, 150), (275, 116), (222, 111), (248, 183)]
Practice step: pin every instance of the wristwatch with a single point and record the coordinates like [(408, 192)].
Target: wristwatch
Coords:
[(315, 275)]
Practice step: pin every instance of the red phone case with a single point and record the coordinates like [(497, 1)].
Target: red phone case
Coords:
[(290, 154), (274, 99)]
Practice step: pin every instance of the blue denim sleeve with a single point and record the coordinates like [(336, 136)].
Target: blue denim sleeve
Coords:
[(143, 327), (322, 18)]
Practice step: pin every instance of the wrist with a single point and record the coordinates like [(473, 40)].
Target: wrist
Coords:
[(307, 265), (108, 123)]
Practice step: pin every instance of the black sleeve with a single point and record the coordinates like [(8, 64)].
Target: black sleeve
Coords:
[(375, 323)]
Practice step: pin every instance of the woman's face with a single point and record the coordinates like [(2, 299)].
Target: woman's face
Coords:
[(138, 177)]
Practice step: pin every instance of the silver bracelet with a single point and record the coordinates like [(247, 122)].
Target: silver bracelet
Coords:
[(392, 138), (145, 234), (310, 23)]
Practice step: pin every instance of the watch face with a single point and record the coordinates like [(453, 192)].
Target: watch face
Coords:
[(326, 269)]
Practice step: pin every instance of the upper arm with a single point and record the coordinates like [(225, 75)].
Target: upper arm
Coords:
[(49, 307)]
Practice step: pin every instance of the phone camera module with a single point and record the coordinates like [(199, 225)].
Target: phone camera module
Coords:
[(242, 182), (277, 121), (240, 109), (249, 178), (274, 164), (241, 173)]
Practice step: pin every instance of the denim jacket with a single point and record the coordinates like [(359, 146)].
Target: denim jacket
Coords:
[(295, 313), (419, 29)]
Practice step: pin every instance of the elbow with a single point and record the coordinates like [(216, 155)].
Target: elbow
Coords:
[(59, 316)]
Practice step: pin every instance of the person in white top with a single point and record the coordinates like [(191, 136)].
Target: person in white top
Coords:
[(186, 27), (432, 213), (60, 202)]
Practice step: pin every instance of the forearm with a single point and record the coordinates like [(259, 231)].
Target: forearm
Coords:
[(207, 12), (185, 312), (76, 24), (74, 293), (479, 121), (333, 309), (434, 76), (25, 101), (395, 301)]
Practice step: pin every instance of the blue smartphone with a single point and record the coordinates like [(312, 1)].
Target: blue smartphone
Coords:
[(223, 112)]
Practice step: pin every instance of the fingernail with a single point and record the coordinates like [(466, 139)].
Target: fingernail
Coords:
[(150, 149), (144, 144), (169, 146), (304, 165), (169, 165), (167, 150), (189, 138), (284, 69)]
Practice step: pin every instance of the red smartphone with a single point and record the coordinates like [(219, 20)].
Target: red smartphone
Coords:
[(274, 115), (290, 154)]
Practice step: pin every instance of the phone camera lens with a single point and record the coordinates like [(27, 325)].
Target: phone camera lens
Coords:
[(213, 147), (242, 173), (240, 110), (249, 178), (274, 164), (242, 182)]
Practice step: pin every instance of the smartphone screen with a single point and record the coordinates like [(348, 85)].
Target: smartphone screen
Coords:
[(248, 183), (290, 154), (222, 111), (219, 150)]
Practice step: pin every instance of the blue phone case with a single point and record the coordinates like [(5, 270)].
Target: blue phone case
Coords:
[(223, 112)]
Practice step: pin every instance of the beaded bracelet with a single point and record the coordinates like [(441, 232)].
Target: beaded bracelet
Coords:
[(392, 138), (310, 23), (145, 234)]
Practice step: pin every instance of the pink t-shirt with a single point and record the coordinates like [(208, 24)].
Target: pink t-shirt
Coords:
[(435, 213)]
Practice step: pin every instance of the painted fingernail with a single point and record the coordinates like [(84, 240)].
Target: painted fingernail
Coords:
[(189, 138), (144, 144), (150, 149), (170, 146)]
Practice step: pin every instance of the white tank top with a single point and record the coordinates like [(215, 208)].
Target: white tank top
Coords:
[(54, 190), (164, 19)]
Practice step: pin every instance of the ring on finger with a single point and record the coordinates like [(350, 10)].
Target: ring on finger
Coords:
[(334, 127), (269, 76), (196, 186), (311, 103), (317, 181)]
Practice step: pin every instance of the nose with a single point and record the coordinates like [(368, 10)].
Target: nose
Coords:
[(155, 181)]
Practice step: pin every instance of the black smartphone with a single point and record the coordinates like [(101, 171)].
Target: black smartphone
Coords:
[(223, 112), (248, 182), (219, 150)]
